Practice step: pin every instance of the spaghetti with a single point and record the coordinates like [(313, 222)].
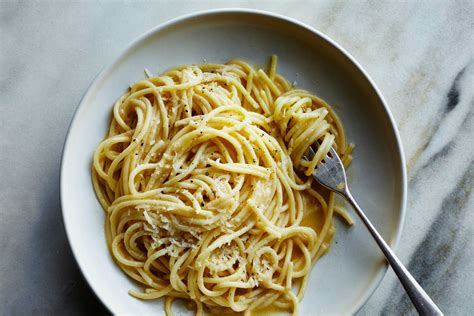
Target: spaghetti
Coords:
[(197, 178)]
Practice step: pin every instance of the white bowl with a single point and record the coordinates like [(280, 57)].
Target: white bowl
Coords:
[(347, 275)]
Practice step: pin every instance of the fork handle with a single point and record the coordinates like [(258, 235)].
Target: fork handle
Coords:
[(423, 303)]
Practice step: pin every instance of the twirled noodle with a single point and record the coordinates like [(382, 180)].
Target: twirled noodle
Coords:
[(197, 178)]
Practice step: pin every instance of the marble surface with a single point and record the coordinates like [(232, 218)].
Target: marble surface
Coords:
[(421, 55)]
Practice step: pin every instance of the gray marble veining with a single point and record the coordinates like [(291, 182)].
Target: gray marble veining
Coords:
[(420, 54)]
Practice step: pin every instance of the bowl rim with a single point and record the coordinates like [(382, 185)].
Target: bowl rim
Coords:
[(103, 73)]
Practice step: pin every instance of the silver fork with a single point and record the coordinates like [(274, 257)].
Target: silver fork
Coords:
[(331, 174)]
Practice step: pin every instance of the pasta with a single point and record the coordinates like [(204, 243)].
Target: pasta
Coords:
[(198, 176)]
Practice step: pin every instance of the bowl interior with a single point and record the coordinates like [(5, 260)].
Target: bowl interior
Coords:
[(349, 272)]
